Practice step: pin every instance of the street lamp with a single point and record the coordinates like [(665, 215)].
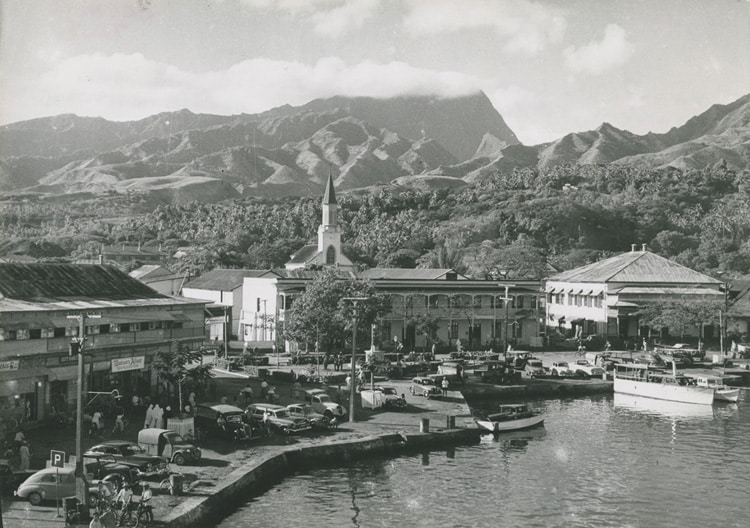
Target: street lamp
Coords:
[(506, 300), (352, 391)]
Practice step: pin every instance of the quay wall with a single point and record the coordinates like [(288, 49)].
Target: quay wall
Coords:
[(257, 476), (535, 389)]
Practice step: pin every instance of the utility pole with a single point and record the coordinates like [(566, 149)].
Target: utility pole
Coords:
[(78, 346), (506, 300), (352, 385)]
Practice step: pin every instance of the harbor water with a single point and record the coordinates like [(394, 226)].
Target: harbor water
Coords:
[(596, 462)]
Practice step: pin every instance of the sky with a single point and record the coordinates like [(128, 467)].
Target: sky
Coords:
[(550, 67)]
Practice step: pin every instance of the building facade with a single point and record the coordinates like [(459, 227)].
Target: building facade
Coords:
[(126, 324), (604, 297)]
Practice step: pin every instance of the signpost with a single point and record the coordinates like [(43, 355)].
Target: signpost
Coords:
[(57, 460)]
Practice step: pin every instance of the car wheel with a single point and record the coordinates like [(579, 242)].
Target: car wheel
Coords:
[(93, 499), (35, 499), (328, 414), (179, 459)]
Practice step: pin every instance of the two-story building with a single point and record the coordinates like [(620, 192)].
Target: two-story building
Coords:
[(604, 297), (125, 325), (473, 311)]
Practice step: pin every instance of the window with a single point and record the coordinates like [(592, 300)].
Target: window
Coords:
[(59, 332), (154, 325), (93, 329), (22, 334), (71, 331), (7, 335), (434, 301), (519, 301), (35, 333), (127, 327), (477, 301), (144, 325), (454, 330), (331, 256), (104, 329), (114, 328)]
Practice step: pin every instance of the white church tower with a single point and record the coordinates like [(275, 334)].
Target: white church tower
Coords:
[(328, 251)]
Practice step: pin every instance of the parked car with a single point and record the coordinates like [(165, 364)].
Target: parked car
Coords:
[(305, 411), (221, 421), (587, 370), (392, 398), (424, 386), (561, 368), (534, 368), (321, 402), (168, 444), (11, 478), (131, 454), (280, 419), (108, 468), (51, 484)]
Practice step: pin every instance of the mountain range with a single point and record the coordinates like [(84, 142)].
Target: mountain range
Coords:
[(412, 141)]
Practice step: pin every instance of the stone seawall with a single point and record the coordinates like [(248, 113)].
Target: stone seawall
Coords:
[(268, 469), (535, 389)]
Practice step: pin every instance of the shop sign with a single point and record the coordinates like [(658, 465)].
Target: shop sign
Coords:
[(9, 365), (131, 363)]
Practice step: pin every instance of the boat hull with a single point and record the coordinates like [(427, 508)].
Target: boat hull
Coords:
[(511, 425), (662, 391), (727, 394)]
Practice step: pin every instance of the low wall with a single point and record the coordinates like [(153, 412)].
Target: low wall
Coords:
[(261, 474)]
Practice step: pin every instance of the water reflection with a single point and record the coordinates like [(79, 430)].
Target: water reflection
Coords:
[(664, 408)]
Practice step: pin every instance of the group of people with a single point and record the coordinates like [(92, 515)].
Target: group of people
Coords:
[(121, 503), (337, 362), (20, 449)]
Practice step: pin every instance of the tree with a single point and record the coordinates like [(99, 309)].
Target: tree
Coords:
[(680, 315), (177, 368), (322, 315), (426, 325)]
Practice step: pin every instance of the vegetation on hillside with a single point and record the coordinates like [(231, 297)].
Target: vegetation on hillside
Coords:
[(513, 225)]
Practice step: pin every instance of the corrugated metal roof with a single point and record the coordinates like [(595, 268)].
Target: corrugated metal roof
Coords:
[(407, 274), (223, 279), (306, 274), (303, 254), (42, 282), (637, 290), (635, 267)]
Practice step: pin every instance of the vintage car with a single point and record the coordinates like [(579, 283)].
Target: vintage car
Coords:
[(392, 398), (279, 418), (10, 478), (168, 444), (561, 368), (131, 454), (424, 386), (304, 410), (219, 420), (50, 484), (534, 368), (587, 370), (321, 402)]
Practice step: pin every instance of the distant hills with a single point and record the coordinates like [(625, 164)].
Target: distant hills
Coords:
[(418, 141)]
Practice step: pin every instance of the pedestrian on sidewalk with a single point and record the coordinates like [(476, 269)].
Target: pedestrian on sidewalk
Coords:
[(148, 422), (25, 454), (445, 384), (96, 423)]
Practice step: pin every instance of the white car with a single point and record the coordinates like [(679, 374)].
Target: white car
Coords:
[(587, 370), (561, 368)]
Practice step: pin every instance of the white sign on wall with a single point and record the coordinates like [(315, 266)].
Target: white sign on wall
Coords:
[(9, 365), (131, 363)]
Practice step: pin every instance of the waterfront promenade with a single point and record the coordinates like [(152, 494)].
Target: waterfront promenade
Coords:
[(221, 458)]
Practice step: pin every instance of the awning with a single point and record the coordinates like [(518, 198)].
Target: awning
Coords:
[(577, 321)]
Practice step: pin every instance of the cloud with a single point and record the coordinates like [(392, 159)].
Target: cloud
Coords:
[(330, 18), (526, 26), (600, 57), (132, 86)]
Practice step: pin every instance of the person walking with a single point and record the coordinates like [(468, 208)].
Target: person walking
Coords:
[(445, 384), (96, 424), (267, 422), (148, 422), (25, 454), (119, 421)]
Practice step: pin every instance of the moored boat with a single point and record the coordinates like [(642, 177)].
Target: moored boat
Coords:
[(511, 417), (640, 380), (722, 392)]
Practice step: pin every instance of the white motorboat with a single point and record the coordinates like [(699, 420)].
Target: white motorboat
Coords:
[(641, 380), (722, 391), (512, 417)]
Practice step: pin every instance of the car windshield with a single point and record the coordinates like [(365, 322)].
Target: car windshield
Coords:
[(324, 398), (535, 363), (130, 450), (562, 364), (174, 438), (388, 390), (281, 413)]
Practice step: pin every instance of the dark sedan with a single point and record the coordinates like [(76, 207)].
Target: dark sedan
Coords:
[(133, 455)]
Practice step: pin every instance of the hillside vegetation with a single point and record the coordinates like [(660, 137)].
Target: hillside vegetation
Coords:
[(513, 225)]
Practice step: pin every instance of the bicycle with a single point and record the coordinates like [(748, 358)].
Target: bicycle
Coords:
[(144, 515)]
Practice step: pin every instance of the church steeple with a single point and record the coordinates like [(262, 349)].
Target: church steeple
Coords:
[(330, 206)]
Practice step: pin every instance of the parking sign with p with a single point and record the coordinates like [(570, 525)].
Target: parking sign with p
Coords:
[(57, 458)]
